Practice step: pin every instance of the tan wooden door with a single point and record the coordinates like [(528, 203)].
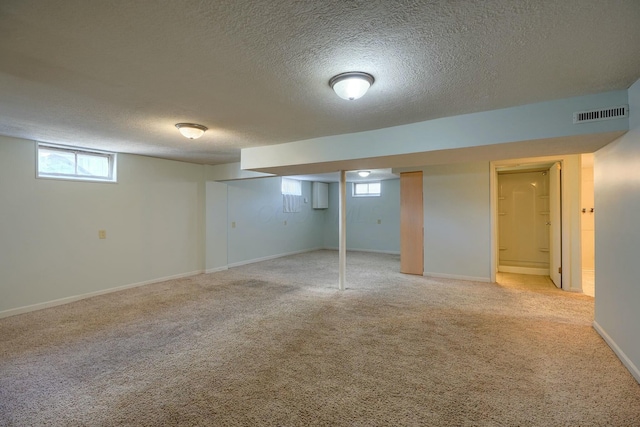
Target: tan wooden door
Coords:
[(411, 223)]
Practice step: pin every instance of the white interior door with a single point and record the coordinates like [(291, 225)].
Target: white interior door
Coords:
[(555, 225)]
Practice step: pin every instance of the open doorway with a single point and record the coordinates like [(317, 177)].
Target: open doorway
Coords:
[(529, 223), (569, 252)]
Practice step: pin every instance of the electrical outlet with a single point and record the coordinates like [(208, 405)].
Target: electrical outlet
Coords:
[(102, 234), (233, 224)]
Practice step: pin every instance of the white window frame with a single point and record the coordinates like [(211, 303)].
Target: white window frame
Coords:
[(112, 158), (368, 193)]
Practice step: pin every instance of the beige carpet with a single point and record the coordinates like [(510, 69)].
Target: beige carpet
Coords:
[(275, 344)]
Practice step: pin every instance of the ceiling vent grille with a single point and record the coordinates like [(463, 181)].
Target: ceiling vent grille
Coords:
[(602, 114)]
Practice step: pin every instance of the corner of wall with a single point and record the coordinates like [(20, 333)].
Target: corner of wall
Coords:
[(626, 361)]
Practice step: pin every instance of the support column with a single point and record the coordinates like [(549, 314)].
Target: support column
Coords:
[(342, 230)]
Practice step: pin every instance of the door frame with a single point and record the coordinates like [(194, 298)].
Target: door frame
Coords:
[(571, 239), (555, 223)]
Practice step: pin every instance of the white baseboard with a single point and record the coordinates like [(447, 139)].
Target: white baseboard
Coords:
[(457, 277), (523, 270), (267, 258), (365, 250), (67, 300), (618, 351), (214, 270)]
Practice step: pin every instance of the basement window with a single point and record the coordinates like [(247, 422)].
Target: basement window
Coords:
[(292, 187), (366, 189), (291, 195), (79, 164)]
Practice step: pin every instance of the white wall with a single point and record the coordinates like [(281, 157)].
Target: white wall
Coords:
[(617, 240), (363, 231), (216, 226), (255, 205), (230, 172), (49, 246), (457, 221)]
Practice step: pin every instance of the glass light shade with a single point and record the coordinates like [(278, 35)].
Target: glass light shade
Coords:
[(351, 85), (191, 130), (364, 174)]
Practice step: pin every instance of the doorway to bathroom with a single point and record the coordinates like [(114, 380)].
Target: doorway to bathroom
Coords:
[(529, 220), (565, 252)]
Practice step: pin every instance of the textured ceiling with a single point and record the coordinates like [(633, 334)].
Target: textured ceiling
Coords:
[(119, 74)]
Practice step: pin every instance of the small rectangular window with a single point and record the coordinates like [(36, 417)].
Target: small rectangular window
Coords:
[(291, 195), (291, 186), (62, 162), (366, 189)]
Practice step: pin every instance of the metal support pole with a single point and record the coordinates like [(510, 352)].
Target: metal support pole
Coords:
[(342, 230)]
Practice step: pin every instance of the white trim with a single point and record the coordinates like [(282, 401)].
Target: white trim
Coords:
[(457, 277), (523, 270), (67, 300), (215, 270), (618, 351), (365, 250), (267, 258)]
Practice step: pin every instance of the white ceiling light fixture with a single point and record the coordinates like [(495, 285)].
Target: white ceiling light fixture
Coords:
[(364, 174), (351, 85), (191, 130)]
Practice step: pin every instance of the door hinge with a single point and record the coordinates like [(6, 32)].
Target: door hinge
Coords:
[(560, 270)]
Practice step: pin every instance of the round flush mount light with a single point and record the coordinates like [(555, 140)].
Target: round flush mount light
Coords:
[(364, 174), (191, 130), (351, 85)]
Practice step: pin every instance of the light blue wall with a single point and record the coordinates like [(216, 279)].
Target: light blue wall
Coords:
[(457, 221), (363, 231), (617, 247), (255, 205)]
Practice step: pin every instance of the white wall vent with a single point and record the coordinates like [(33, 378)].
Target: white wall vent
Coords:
[(601, 114)]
